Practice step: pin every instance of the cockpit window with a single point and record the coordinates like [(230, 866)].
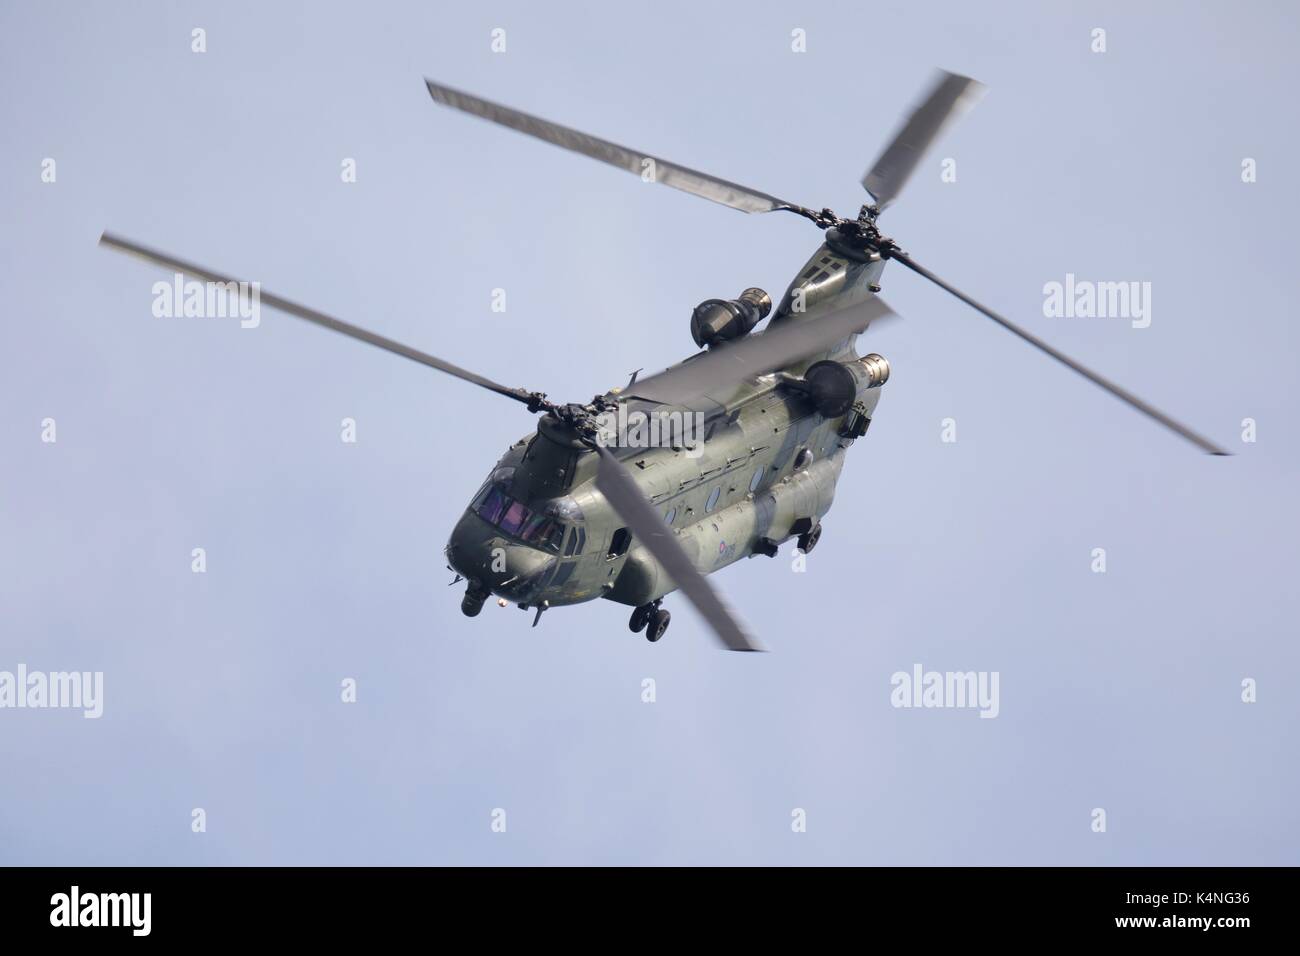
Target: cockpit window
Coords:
[(517, 520), (533, 526), (543, 532), (493, 506), (554, 535), (575, 542), (513, 520)]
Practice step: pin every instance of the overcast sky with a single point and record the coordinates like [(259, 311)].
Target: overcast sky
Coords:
[(1119, 691)]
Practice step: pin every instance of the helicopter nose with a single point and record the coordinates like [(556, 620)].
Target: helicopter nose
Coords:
[(478, 551)]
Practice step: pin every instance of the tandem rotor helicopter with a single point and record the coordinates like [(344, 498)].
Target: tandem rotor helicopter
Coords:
[(567, 515)]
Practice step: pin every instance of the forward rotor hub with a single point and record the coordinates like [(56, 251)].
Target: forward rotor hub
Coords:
[(860, 233)]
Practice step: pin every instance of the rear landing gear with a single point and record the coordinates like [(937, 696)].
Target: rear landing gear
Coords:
[(808, 540), (658, 625), (650, 618), (640, 618)]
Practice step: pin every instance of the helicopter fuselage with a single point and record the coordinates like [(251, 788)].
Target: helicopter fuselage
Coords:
[(540, 534)]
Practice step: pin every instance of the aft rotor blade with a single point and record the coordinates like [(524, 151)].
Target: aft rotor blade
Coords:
[(1122, 394), (788, 341), (316, 317), (641, 164), (951, 96), (647, 525)]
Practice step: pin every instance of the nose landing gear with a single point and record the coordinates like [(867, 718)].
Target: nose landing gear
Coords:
[(475, 595), (650, 618)]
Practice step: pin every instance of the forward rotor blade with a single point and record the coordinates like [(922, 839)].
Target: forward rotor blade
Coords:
[(951, 96), (641, 164), (1122, 394), (646, 524), (317, 318), (788, 342)]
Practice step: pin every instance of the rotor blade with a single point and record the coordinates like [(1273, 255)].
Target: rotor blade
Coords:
[(318, 318), (951, 96), (1122, 394), (646, 524), (787, 342), (652, 168)]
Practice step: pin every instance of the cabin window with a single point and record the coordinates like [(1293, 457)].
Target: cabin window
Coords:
[(756, 480), (714, 495), (619, 544), (803, 459)]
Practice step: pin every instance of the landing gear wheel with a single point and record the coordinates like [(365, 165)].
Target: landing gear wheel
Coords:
[(640, 618), (808, 540), (658, 624)]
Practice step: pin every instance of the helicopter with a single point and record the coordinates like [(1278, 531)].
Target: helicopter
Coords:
[(736, 450)]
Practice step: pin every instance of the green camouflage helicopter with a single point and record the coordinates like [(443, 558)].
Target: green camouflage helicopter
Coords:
[(649, 488)]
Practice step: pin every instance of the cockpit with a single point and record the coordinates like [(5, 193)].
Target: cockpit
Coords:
[(517, 520)]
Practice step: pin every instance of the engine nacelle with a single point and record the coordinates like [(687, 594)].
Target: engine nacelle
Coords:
[(716, 320), (834, 386)]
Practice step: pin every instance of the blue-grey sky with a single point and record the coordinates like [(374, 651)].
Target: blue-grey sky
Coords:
[(1119, 691)]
